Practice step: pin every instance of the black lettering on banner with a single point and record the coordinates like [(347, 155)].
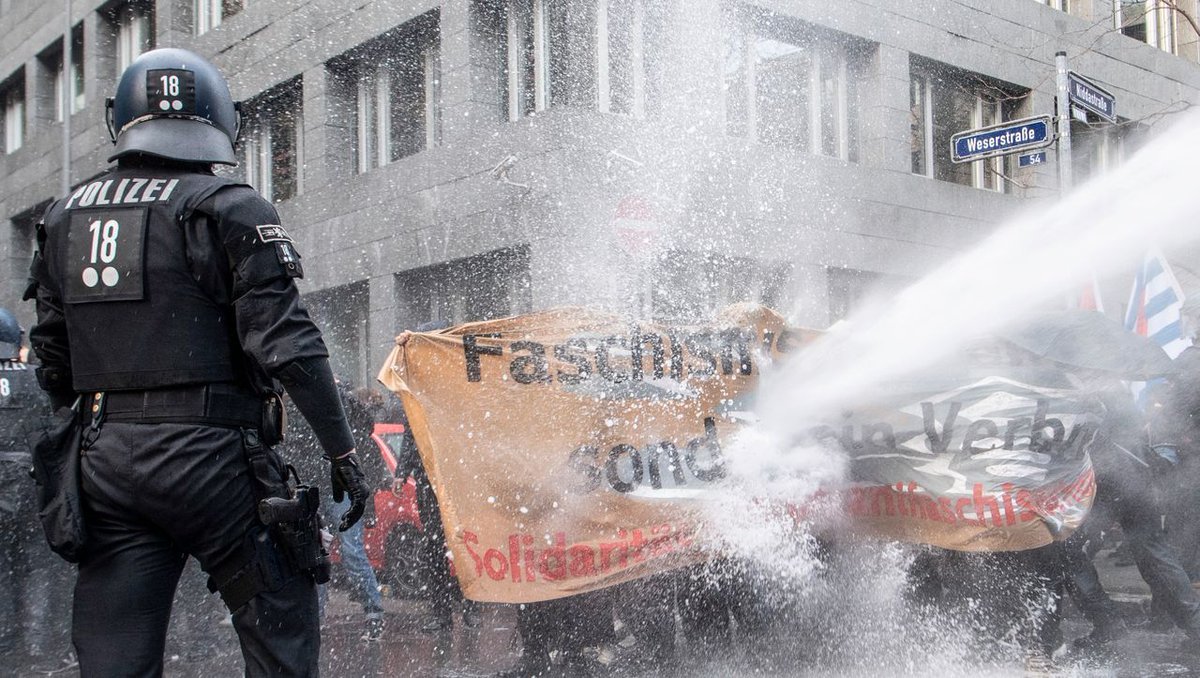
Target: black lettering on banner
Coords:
[(614, 475), (603, 366), (655, 453), (713, 467), (472, 350), (980, 429), (1037, 439), (699, 345), (573, 352), (639, 341), (731, 339), (1010, 431), (583, 459), (105, 258), (849, 442), (676, 357), (527, 369), (879, 437), (939, 443)]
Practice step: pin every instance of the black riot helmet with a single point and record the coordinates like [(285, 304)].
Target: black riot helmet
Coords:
[(172, 103), (10, 335)]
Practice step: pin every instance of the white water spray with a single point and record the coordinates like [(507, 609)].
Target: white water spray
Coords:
[(1035, 261)]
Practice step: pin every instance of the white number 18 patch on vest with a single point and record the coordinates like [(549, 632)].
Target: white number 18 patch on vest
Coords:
[(105, 255)]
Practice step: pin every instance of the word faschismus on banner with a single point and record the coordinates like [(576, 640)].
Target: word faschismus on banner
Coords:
[(572, 450), (1010, 137)]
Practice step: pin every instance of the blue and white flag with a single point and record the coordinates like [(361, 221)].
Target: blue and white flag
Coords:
[(1156, 305)]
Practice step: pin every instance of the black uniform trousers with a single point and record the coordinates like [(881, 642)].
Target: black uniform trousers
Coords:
[(1156, 559), (154, 494)]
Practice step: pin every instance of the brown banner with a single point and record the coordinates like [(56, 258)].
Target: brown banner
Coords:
[(568, 448)]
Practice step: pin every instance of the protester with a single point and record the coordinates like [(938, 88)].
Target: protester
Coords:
[(1126, 494), (1180, 416), (444, 594), (442, 588), (571, 630)]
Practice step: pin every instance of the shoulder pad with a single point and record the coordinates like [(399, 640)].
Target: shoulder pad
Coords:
[(259, 247)]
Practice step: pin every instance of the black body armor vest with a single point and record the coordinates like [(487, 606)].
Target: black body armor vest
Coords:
[(22, 405), (136, 313)]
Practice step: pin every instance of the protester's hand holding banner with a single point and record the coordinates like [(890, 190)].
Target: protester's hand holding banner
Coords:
[(568, 449)]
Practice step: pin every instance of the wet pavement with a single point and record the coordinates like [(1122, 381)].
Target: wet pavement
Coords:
[(207, 646)]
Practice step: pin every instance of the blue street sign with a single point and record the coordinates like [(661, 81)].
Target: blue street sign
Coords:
[(1031, 159), (1090, 96), (1003, 139)]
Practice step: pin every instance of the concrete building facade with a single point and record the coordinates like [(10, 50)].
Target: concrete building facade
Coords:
[(467, 159)]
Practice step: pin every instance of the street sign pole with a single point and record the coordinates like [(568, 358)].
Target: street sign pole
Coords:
[(1063, 111), (68, 82)]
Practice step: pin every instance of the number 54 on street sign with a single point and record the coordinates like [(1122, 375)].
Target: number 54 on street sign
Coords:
[(1013, 136)]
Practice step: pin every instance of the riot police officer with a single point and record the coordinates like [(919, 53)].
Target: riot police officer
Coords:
[(166, 298), (33, 605)]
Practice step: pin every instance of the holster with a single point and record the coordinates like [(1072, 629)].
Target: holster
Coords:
[(296, 525), (289, 510), (287, 543)]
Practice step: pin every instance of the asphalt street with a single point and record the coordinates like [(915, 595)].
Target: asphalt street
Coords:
[(204, 646)]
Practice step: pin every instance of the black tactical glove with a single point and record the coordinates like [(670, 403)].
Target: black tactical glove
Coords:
[(347, 479)]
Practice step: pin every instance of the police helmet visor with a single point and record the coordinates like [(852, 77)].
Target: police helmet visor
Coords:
[(176, 138)]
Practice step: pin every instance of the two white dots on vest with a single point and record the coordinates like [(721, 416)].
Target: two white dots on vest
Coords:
[(109, 276)]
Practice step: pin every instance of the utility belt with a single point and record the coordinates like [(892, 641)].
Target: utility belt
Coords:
[(217, 404)]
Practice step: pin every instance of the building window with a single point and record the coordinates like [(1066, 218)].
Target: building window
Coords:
[(343, 313), (1061, 5), (625, 82), (13, 97), (1098, 146), (210, 13), (849, 288), (945, 101), (272, 142), (395, 87), (694, 286), (135, 33), (1151, 21), (524, 43), (74, 77), (533, 56), (789, 84), (486, 286)]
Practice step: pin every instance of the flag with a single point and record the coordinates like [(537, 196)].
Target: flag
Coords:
[(1089, 297), (1156, 305), (1156, 310)]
